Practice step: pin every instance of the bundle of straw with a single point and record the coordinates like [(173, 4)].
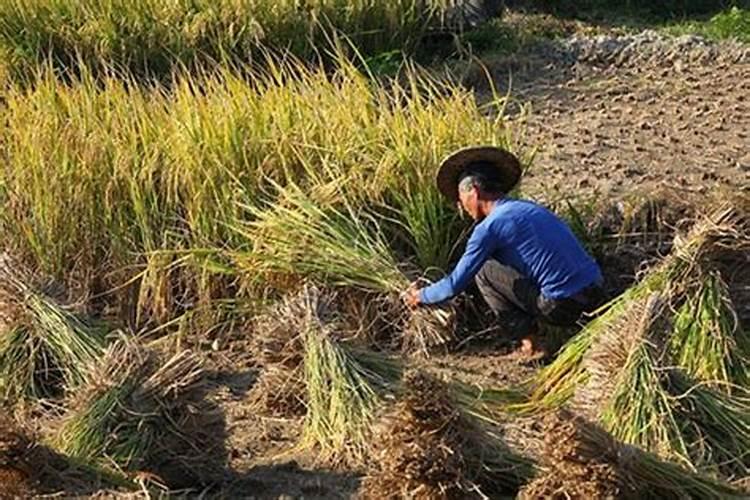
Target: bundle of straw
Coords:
[(43, 346), (427, 447), (584, 461), (726, 228), (345, 247), (345, 389), (127, 404), (707, 340), (279, 348)]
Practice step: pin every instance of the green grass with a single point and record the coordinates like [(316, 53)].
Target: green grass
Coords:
[(732, 23)]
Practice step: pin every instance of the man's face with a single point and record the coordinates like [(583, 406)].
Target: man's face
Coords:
[(469, 202)]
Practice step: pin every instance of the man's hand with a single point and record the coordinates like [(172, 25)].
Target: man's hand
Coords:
[(411, 296)]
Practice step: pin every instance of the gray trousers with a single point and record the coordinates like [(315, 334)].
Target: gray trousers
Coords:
[(517, 303)]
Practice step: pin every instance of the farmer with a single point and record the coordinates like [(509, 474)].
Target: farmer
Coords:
[(527, 263)]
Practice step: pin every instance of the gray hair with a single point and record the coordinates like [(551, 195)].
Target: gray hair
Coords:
[(469, 182)]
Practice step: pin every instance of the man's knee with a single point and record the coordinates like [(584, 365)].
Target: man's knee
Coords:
[(489, 273)]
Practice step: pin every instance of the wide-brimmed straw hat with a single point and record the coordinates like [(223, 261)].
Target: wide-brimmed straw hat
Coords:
[(504, 169)]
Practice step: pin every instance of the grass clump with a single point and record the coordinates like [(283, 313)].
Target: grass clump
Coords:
[(732, 23)]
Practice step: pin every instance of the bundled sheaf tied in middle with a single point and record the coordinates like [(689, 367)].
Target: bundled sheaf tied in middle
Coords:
[(665, 366), (312, 370), (131, 401), (427, 446)]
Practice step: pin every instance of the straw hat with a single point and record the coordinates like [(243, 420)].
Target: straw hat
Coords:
[(505, 168)]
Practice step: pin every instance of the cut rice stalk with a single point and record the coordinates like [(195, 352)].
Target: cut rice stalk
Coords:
[(716, 424), (46, 346), (126, 406), (625, 388), (635, 473), (726, 227), (342, 247), (707, 340), (427, 447), (343, 396)]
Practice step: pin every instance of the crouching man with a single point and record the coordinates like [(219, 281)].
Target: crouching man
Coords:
[(527, 263)]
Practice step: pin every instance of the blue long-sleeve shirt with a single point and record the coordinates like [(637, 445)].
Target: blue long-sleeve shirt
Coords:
[(532, 240)]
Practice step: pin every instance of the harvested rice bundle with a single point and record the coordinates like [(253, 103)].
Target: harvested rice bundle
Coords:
[(584, 461), (427, 447), (343, 247), (625, 389), (727, 228), (126, 406), (345, 389), (642, 402), (42, 345), (279, 348), (716, 424), (707, 340)]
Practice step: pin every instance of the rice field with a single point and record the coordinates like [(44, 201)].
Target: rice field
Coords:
[(153, 39), (177, 201)]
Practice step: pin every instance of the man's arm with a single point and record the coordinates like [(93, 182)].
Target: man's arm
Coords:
[(478, 249)]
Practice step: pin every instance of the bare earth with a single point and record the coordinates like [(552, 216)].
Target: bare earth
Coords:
[(671, 119)]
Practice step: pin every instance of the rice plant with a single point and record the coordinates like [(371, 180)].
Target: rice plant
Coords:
[(715, 424), (151, 38), (154, 181)]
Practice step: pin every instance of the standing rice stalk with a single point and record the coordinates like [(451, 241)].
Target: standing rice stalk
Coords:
[(153, 38)]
